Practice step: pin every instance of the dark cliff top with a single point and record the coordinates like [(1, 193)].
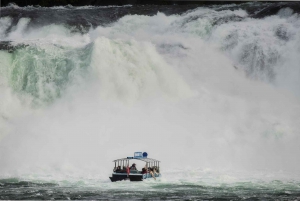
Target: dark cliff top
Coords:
[(49, 3)]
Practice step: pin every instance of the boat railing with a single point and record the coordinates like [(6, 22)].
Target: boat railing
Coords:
[(134, 171)]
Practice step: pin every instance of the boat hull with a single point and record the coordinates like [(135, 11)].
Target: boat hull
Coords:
[(136, 177), (119, 177), (142, 177), (132, 177)]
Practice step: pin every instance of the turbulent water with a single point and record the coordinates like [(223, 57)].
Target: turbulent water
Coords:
[(212, 92)]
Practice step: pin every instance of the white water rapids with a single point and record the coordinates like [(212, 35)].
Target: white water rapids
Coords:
[(191, 93)]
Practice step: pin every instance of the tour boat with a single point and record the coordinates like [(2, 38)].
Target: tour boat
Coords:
[(122, 171)]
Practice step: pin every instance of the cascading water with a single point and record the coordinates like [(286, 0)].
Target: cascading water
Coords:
[(213, 92)]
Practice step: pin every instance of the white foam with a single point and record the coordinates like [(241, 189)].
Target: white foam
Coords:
[(4, 25), (18, 30)]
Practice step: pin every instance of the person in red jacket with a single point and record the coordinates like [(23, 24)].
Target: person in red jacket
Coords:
[(144, 170)]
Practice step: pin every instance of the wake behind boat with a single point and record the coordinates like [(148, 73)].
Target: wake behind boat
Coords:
[(122, 171)]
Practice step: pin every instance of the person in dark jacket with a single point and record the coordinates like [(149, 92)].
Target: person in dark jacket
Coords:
[(118, 169), (133, 167)]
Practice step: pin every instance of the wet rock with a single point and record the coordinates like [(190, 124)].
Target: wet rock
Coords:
[(273, 9)]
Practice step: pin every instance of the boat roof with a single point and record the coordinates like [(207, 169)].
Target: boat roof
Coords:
[(141, 159)]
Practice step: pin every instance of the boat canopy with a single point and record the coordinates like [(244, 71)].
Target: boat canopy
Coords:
[(137, 156), (147, 160)]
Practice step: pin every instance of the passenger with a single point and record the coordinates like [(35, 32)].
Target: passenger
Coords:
[(150, 170), (144, 170), (133, 167), (123, 169), (118, 169), (155, 171)]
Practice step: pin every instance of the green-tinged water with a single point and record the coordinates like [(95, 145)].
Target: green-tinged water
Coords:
[(160, 190), (43, 71)]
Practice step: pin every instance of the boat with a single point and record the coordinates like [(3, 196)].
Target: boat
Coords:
[(122, 171)]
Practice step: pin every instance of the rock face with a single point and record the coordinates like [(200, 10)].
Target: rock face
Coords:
[(273, 9), (48, 3)]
